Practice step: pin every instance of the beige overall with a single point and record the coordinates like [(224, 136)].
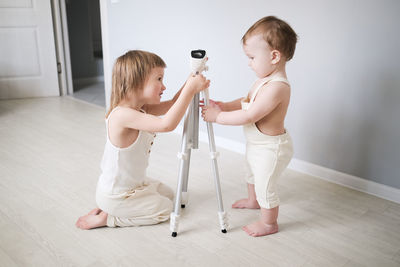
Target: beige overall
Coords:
[(266, 156)]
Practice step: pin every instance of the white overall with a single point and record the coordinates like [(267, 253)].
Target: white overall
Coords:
[(266, 156), (124, 191)]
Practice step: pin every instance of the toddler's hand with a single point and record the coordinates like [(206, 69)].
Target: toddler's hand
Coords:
[(212, 104), (197, 83), (210, 113)]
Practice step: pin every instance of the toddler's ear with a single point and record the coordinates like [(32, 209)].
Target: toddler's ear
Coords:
[(275, 56)]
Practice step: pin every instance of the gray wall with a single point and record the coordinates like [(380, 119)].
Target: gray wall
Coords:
[(345, 73), (83, 35)]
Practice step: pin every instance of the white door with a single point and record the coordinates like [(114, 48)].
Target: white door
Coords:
[(28, 66)]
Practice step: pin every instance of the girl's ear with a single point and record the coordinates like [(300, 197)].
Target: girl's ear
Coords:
[(275, 57)]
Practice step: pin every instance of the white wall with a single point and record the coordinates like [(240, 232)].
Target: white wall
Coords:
[(345, 73)]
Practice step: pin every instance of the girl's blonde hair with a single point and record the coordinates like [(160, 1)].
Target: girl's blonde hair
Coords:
[(130, 73)]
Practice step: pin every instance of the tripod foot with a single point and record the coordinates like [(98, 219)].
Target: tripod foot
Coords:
[(223, 220), (173, 225), (184, 199)]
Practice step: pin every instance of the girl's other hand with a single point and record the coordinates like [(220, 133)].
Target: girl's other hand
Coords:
[(197, 83)]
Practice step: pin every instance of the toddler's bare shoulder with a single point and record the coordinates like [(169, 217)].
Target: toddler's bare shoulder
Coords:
[(276, 87)]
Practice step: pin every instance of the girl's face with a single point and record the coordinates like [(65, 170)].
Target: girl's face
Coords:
[(260, 56), (154, 87)]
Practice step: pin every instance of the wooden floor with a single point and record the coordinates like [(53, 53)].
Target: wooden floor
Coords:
[(50, 151)]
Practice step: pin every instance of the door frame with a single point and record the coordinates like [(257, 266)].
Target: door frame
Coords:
[(107, 66), (63, 48)]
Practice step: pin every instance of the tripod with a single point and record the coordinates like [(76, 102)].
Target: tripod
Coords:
[(190, 141)]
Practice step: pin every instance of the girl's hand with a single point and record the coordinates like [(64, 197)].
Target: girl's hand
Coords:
[(197, 83), (210, 113)]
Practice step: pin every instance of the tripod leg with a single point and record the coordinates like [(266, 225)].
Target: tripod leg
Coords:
[(192, 137), (223, 220), (213, 155), (185, 177), (181, 195), (184, 157)]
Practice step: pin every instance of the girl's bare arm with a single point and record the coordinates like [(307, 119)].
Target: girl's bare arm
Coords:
[(130, 118), (163, 107)]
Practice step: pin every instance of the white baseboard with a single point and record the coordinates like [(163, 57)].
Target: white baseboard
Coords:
[(354, 182), (348, 180)]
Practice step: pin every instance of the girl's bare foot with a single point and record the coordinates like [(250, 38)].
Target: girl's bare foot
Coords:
[(94, 211), (91, 221), (260, 229), (246, 203)]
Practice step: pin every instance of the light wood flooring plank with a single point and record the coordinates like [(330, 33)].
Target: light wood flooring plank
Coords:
[(50, 152)]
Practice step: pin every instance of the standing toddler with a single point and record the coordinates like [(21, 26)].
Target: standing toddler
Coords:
[(268, 44)]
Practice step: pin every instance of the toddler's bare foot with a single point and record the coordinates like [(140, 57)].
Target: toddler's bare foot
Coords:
[(246, 204), (94, 211), (91, 221), (260, 229)]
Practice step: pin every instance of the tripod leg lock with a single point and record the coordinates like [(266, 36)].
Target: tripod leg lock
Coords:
[(182, 156), (214, 155)]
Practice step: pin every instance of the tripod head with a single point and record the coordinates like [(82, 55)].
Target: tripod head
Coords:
[(198, 61)]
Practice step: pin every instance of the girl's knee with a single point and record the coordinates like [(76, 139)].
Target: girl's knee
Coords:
[(166, 191)]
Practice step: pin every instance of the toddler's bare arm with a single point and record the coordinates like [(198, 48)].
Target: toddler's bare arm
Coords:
[(268, 98), (232, 105)]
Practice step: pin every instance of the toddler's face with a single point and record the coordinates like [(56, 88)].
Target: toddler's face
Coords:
[(260, 55), (154, 86)]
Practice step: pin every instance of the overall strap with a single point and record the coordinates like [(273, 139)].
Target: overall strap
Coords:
[(280, 79), (272, 79), (108, 118), (253, 96), (109, 115)]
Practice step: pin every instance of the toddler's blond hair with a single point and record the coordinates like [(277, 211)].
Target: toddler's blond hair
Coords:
[(277, 33)]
